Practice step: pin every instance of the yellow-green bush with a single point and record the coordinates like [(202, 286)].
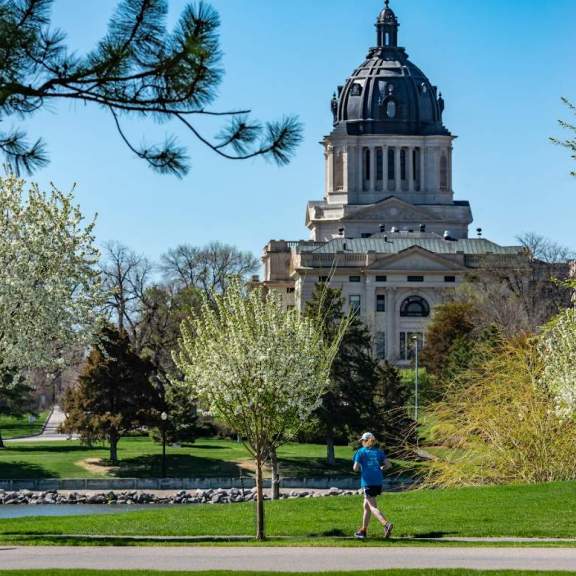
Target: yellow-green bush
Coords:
[(498, 424)]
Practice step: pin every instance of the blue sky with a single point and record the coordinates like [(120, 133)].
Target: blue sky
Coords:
[(502, 66)]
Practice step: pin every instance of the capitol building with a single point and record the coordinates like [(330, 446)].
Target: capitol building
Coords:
[(388, 232)]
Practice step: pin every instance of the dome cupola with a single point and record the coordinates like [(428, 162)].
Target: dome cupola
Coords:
[(388, 94)]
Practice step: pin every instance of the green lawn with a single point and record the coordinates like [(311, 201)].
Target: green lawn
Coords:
[(12, 427), (213, 573), (516, 511), (141, 458)]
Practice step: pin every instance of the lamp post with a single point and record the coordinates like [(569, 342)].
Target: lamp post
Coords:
[(164, 418), (416, 375)]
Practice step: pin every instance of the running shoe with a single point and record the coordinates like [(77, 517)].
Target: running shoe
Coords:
[(360, 535), (388, 530)]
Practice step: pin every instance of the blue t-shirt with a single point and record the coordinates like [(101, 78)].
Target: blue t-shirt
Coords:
[(371, 461)]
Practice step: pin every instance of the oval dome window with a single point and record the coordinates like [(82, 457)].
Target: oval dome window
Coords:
[(391, 109)]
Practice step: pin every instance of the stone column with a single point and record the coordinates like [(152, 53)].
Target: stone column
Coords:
[(370, 300), (422, 170), (372, 186), (410, 168), (385, 168), (398, 169), (391, 325)]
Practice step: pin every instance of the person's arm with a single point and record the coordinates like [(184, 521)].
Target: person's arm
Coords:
[(384, 463), (357, 466)]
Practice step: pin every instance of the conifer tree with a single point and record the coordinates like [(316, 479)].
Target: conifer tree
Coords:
[(114, 394), (138, 70), (347, 405)]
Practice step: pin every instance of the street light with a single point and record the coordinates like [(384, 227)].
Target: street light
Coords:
[(416, 340), (164, 418)]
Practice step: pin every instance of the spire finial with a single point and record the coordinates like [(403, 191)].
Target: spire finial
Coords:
[(387, 3)]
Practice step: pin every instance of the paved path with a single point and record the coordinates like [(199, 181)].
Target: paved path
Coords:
[(50, 432), (286, 559)]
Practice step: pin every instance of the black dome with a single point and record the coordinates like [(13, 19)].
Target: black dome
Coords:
[(388, 94)]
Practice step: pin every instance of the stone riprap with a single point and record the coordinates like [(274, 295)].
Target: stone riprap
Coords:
[(217, 496)]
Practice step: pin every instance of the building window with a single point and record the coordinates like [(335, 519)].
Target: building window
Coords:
[(415, 278), (338, 166), (391, 164), (356, 89), (450, 279), (355, 279), (367, 164), (379, 164), (323, 279), (380, 342), (380, 303), (443, 173), (408, 344), (381, 279), (290, 290), (415, 307), (355, 303), (403, 166), (416, 167), (391, 109)]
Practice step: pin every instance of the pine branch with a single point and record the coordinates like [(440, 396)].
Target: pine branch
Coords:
[(137, 69)]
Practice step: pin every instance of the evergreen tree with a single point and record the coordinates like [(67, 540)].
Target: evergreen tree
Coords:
[(391, 422), (114, 394), (347, 406), (138, 70), (15, 395)]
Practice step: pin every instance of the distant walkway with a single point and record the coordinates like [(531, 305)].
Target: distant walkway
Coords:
[(286, 559), (50, 432)]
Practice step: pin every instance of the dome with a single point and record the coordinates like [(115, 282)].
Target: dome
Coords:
[(388, 94)]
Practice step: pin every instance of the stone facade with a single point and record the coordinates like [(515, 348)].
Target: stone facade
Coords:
[(388, 231)]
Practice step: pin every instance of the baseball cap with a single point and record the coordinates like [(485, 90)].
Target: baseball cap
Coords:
[(367, 436)]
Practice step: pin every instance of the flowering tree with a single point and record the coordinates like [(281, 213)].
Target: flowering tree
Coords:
[(49, 286), (259, 368), (559, 354)]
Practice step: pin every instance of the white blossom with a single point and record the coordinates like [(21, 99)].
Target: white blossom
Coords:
[(559, 356), (49, 285)]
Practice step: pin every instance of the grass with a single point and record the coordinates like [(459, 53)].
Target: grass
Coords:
[(513, 511), (219, 573), (141, 458), (12, 427)]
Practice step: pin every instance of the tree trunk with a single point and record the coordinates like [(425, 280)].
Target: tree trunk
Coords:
[(275, 475), (2, 446), (330, 452), (260, 528), (114, 449)]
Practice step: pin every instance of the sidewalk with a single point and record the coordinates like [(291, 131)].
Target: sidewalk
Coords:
[(50, 432), (286, 559)]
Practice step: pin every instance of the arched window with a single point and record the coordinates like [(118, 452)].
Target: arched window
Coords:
[(387, 39), (443, 173), (391, 109), (415, 307)]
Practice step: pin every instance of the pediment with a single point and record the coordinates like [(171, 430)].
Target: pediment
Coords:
[(417, 259), (393, 210)]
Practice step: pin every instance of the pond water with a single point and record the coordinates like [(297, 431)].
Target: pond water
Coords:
[(24, 511)]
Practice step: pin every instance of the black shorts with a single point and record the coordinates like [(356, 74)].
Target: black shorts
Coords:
[(373, 491)]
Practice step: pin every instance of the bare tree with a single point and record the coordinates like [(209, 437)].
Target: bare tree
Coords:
[(210, 268), (545, 250), (126, 277)]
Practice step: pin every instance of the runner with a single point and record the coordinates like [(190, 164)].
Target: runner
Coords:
[(370, 461)]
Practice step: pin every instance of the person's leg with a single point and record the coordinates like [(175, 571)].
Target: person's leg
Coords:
[(367, 516), (373, 507)]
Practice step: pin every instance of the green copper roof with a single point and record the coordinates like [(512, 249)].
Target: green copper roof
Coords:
[(392, 245)]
